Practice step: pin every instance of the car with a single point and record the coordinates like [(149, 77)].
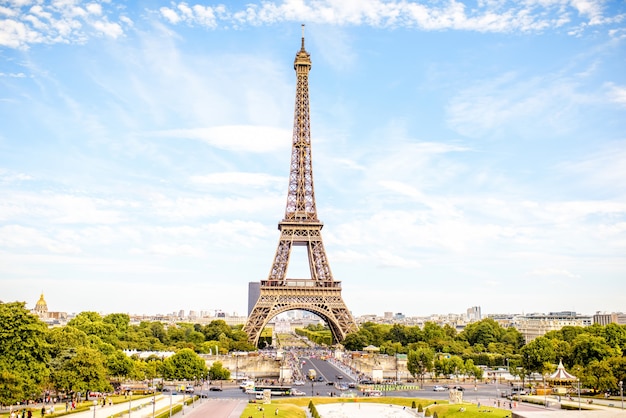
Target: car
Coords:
[(320, 379), (215, 389), (298, 383), (338, 376), (439, 388), (459, 388), (296, 392)]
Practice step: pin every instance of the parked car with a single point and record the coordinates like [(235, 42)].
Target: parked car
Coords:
[(215, 389), (298, 383), (438, 388), (296, 392)]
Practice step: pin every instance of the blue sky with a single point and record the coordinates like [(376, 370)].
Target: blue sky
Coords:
[(465, 153)]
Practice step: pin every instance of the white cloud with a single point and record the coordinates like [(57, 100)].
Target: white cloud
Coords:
[(62, 22), (113, 30), (238, 179), (256, 139), (617, 94), (507, 104), (60, 208)]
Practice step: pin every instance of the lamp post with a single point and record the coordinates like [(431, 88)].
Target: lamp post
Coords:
[(578, 380), (95, 405), (621, 391)]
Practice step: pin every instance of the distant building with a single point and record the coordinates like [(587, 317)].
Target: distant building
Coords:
[(605, 318), (254, 291), (473, 314), (538, 324), (51, 318)]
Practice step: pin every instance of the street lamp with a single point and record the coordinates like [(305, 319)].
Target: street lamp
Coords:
[(578, 380), (130, 398), (95, 404), (621, 391)]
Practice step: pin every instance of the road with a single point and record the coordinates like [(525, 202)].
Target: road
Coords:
[(216, 408)]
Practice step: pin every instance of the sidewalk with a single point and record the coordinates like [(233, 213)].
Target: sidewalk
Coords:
[(140, 408)]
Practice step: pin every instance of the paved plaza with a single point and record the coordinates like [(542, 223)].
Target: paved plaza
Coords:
[(363, 410)]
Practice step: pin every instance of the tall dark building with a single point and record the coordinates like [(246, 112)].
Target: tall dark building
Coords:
[(254, 291)]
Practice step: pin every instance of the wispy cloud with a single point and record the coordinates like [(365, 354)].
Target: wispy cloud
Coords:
[(256, 139), (238, 179)]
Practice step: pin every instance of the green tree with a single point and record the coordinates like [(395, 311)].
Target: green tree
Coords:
[(586, 348), (184, 365), (600, 376), (64, 338), (80, 370), (218, 372), (119, 365), (355, 342), (91, 323), (420, 361), (24, 353), (537, 355), (120, 321)]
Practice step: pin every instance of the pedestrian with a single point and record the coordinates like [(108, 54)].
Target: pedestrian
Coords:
[(276, 412), (43, 411)]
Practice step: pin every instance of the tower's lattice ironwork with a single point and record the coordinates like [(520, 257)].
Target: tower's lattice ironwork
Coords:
[(320, 294)]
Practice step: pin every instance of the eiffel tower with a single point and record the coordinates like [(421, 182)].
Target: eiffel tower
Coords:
[(320, 294)]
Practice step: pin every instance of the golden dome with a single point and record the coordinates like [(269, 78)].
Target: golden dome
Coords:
[(41, 306)]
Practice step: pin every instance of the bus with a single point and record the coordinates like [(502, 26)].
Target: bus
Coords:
[(275, 390)]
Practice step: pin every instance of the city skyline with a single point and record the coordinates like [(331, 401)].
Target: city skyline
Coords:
[(465, 154)]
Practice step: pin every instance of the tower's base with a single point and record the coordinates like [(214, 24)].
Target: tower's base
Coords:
[(325, 302)]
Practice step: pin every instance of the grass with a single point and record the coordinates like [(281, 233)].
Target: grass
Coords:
[(284, 410), (293, 407)]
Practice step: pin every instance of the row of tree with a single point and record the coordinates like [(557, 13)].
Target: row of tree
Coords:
[(88, 353), (595, 354)]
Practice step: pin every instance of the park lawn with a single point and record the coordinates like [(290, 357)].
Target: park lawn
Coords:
[(285, 410), (293, 407), (304, 401), (469, 410)]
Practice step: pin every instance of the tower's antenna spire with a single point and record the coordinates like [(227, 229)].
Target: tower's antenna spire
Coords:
[(303, 36)]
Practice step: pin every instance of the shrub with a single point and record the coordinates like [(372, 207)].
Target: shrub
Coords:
[(420, 408), (413, 405)]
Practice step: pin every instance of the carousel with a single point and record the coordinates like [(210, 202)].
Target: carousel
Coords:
[(561, 381)]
